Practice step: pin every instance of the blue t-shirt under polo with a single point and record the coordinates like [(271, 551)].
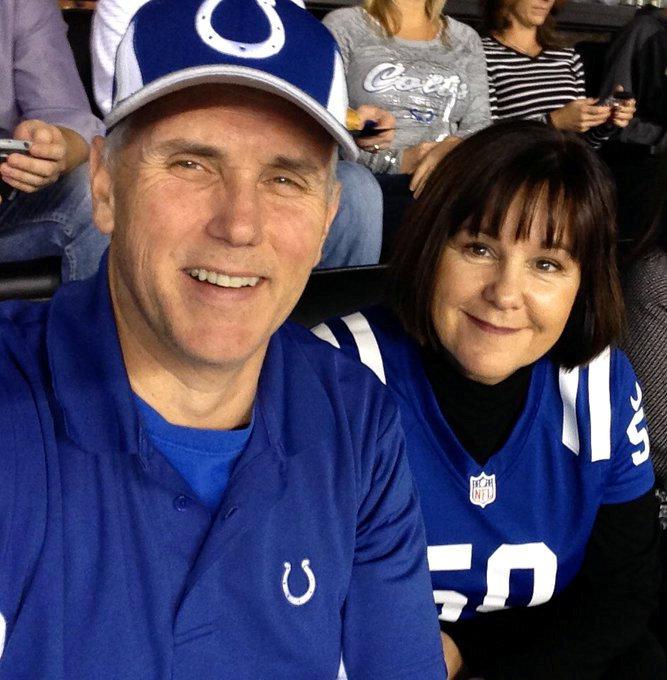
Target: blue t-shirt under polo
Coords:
[(205, 458)]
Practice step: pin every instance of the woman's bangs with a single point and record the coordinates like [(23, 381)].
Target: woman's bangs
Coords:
[(543, 197)]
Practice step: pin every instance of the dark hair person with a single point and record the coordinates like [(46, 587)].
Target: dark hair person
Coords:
[(524, 428), (645, 291), (533, 75)]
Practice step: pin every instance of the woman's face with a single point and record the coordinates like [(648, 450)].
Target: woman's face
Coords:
[(501, 304), (528, 13)]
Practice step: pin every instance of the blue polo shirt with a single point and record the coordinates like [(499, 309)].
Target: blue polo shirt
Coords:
[(113, 569)]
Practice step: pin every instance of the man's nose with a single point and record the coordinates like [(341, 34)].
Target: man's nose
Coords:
[(507, 286), (235, 214)]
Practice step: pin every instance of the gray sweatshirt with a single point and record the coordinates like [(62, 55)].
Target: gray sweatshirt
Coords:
[(434, 88)]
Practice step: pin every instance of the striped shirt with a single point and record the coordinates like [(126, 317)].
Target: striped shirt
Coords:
[(527, 87)]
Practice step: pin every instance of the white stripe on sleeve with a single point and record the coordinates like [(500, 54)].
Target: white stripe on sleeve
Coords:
[(568, 382), (599, 404), (323, 332), (369, 350)]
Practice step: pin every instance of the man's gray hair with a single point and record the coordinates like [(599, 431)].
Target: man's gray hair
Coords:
[(116, 139)]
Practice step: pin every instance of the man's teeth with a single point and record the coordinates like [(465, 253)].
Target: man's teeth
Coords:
[(223, 280)]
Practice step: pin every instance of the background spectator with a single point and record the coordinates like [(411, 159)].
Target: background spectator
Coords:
[(44, 102), (645, 288), (637, 60), (532, 75), (426, 70)]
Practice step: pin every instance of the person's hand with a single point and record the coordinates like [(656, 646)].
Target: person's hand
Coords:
[(623, 111), (429, 161), (453, 658), (383, 120), (413, 155), (46, 159), (580, 115)]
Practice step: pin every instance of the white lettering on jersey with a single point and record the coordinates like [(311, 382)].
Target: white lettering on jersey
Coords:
[(367, 344), (3, 634), (449, 558), (568, 382), (535, 556), (260, 50), (458, 557), (599, 404), (298, 601), (638, 437), (388, 76)]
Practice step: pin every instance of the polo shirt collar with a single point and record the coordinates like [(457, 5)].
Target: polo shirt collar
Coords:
[(87, 370)]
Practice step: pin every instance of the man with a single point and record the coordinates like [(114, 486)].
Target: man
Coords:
[(355, 236), (189, 488), (44, 195)]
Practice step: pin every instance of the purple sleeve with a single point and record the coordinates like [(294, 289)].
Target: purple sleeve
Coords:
[(46, 80)]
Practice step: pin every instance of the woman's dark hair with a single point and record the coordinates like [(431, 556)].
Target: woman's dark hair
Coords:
[(473, 188), (494, 20)]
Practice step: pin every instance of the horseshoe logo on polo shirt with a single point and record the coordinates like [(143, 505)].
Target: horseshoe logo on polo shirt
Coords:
[(298, 601), (261, 50)]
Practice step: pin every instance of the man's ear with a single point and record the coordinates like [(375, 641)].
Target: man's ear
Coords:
[(101, 188)]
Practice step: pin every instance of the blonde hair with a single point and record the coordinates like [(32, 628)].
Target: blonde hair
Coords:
[(388, 15)]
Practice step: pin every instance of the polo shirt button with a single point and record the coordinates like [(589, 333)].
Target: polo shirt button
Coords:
[(181, 503)]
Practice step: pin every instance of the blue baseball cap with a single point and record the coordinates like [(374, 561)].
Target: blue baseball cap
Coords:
[(271, 45)]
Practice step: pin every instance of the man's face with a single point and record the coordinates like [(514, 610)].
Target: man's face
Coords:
[(219, 204)]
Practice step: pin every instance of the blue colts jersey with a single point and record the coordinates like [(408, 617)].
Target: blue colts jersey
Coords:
[(512, 532)]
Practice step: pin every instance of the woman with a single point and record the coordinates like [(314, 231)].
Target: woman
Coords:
[(524, 431), (532, 75), (426, 70)]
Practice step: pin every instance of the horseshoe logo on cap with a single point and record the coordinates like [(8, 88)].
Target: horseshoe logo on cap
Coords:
[(298, 601), (261, 50)]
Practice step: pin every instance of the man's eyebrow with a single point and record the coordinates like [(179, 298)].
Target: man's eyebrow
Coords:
[(181, 145), (300, 166)]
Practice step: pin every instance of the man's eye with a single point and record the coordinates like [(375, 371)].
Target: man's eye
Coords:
[(287, 183), (188, 164)]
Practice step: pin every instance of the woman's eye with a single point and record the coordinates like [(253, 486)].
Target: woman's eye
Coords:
[(477, 249), (548, 266)]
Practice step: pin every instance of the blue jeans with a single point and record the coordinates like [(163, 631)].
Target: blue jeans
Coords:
[(56, 220), (355, 236)]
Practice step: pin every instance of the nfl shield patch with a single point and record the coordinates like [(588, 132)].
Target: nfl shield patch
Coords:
[(482, 490)]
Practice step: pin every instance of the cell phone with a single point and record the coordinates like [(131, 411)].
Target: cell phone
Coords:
[(622, 96), (8, 147), (370, 132), (615, 98)]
